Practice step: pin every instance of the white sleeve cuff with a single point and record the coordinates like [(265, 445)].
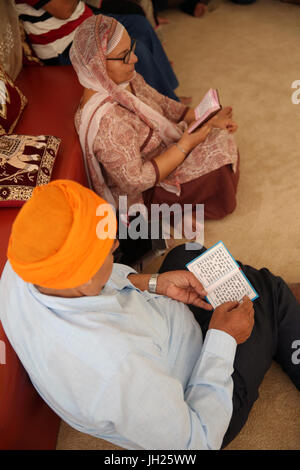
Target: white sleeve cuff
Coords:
[(221, 344), (122, 270)]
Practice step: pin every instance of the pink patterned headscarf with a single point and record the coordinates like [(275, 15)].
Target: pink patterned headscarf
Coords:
[(88, 56)]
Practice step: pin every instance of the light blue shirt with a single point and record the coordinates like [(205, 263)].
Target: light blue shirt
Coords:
[(126, 366)]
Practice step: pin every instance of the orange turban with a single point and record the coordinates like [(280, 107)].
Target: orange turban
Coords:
[(55, 240)]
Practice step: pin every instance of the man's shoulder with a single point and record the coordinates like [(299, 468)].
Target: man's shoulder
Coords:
[(115, 114), (8, 276), (119, 275)]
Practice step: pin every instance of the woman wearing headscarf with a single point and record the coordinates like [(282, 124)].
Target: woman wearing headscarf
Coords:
[(135, 141)]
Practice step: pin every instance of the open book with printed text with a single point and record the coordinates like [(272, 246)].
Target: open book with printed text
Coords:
[(221, 276), (208, 107)]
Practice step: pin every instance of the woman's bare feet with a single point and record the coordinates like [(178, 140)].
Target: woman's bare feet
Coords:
[(225, 112), (223, 120), (199, 10), (162, 20)]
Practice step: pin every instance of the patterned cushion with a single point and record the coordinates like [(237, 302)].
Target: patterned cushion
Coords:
[(12, 103), (25, 162)]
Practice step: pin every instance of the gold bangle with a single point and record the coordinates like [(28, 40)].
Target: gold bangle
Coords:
[(181, 149)]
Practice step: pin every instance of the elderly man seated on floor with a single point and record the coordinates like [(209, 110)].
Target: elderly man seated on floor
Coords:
[(143, 370)]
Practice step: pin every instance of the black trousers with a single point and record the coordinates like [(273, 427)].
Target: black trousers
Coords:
[(276, 329)]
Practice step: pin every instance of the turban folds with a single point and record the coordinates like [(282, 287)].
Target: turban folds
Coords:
[(54, 241)]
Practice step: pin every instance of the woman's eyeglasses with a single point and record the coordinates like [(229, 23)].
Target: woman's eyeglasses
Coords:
[(126, 57)]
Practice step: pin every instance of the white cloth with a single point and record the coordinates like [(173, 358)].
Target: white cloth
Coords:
[(115, 39)]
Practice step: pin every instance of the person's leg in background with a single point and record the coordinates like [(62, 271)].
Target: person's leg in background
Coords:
[(193, 7), (276, 329)]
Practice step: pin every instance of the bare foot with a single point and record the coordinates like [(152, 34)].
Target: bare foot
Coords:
[(200, 9), (295, 288), (186, 100), (223, 120), (162, 20), (225, 112)]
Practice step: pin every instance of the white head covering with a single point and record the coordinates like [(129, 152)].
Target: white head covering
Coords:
[(115, 39)]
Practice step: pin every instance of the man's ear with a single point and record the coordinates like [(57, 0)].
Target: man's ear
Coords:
[(85, 288)]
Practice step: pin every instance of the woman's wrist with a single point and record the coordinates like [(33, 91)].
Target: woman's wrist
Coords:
[(182, 149), (186, 146), (169, 160), (140, 281)]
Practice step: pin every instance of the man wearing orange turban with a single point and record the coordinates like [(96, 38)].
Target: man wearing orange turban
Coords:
[(113, 353), (54, 241)]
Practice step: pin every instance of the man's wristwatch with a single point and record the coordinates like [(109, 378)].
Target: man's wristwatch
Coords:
[(153, 283)]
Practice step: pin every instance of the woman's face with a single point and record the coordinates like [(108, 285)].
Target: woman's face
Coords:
[(116, 69)]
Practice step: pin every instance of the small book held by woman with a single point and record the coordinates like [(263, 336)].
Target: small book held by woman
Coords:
[(208, 107)]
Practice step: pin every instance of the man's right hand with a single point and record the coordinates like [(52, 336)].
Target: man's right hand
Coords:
[(236, 319)]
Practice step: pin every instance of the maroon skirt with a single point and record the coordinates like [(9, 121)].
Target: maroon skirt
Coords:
[(216, 190)]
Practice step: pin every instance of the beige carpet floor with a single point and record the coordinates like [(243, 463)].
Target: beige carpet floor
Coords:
[(251, 55)]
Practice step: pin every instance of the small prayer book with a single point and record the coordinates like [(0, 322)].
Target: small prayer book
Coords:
[(221, 276), (208, 107)]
